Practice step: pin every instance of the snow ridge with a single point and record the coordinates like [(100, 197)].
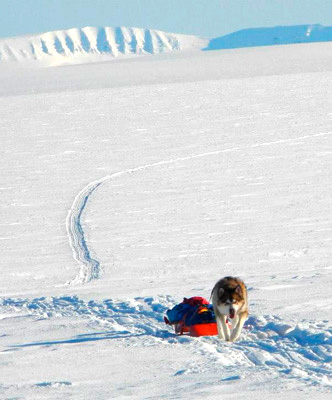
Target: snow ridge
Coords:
[(93, 44)]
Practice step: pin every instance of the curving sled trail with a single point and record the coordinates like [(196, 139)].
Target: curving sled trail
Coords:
[(90, 267)]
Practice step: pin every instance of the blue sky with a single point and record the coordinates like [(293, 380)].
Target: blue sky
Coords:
[(200, 17)]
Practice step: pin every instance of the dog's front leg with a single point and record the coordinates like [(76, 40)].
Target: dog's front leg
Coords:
[(225, 327), (238, 325), (221, 334)]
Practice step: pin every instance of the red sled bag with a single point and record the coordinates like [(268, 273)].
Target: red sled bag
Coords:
[(194, 316)]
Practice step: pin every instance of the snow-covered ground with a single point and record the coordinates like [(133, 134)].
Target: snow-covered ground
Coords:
[(128, 185)]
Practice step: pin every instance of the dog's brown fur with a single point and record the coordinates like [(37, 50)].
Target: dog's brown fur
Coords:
[(230, 301)]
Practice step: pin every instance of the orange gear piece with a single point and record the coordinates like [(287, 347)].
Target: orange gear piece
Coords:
[(203, 330)]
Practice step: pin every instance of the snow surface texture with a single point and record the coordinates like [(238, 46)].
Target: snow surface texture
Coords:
[(158, 190)]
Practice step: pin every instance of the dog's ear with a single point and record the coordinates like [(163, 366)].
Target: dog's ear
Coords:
[(238, 290), (221, 291)]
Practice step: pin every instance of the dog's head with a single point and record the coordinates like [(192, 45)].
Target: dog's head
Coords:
[(230, 299)]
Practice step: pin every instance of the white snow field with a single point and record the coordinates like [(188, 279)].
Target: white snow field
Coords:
[(128, 185)]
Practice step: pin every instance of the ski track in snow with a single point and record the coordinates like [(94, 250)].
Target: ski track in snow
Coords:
[(90, 267), (277, 351)]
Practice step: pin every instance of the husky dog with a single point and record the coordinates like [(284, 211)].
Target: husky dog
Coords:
[(229, 300)]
